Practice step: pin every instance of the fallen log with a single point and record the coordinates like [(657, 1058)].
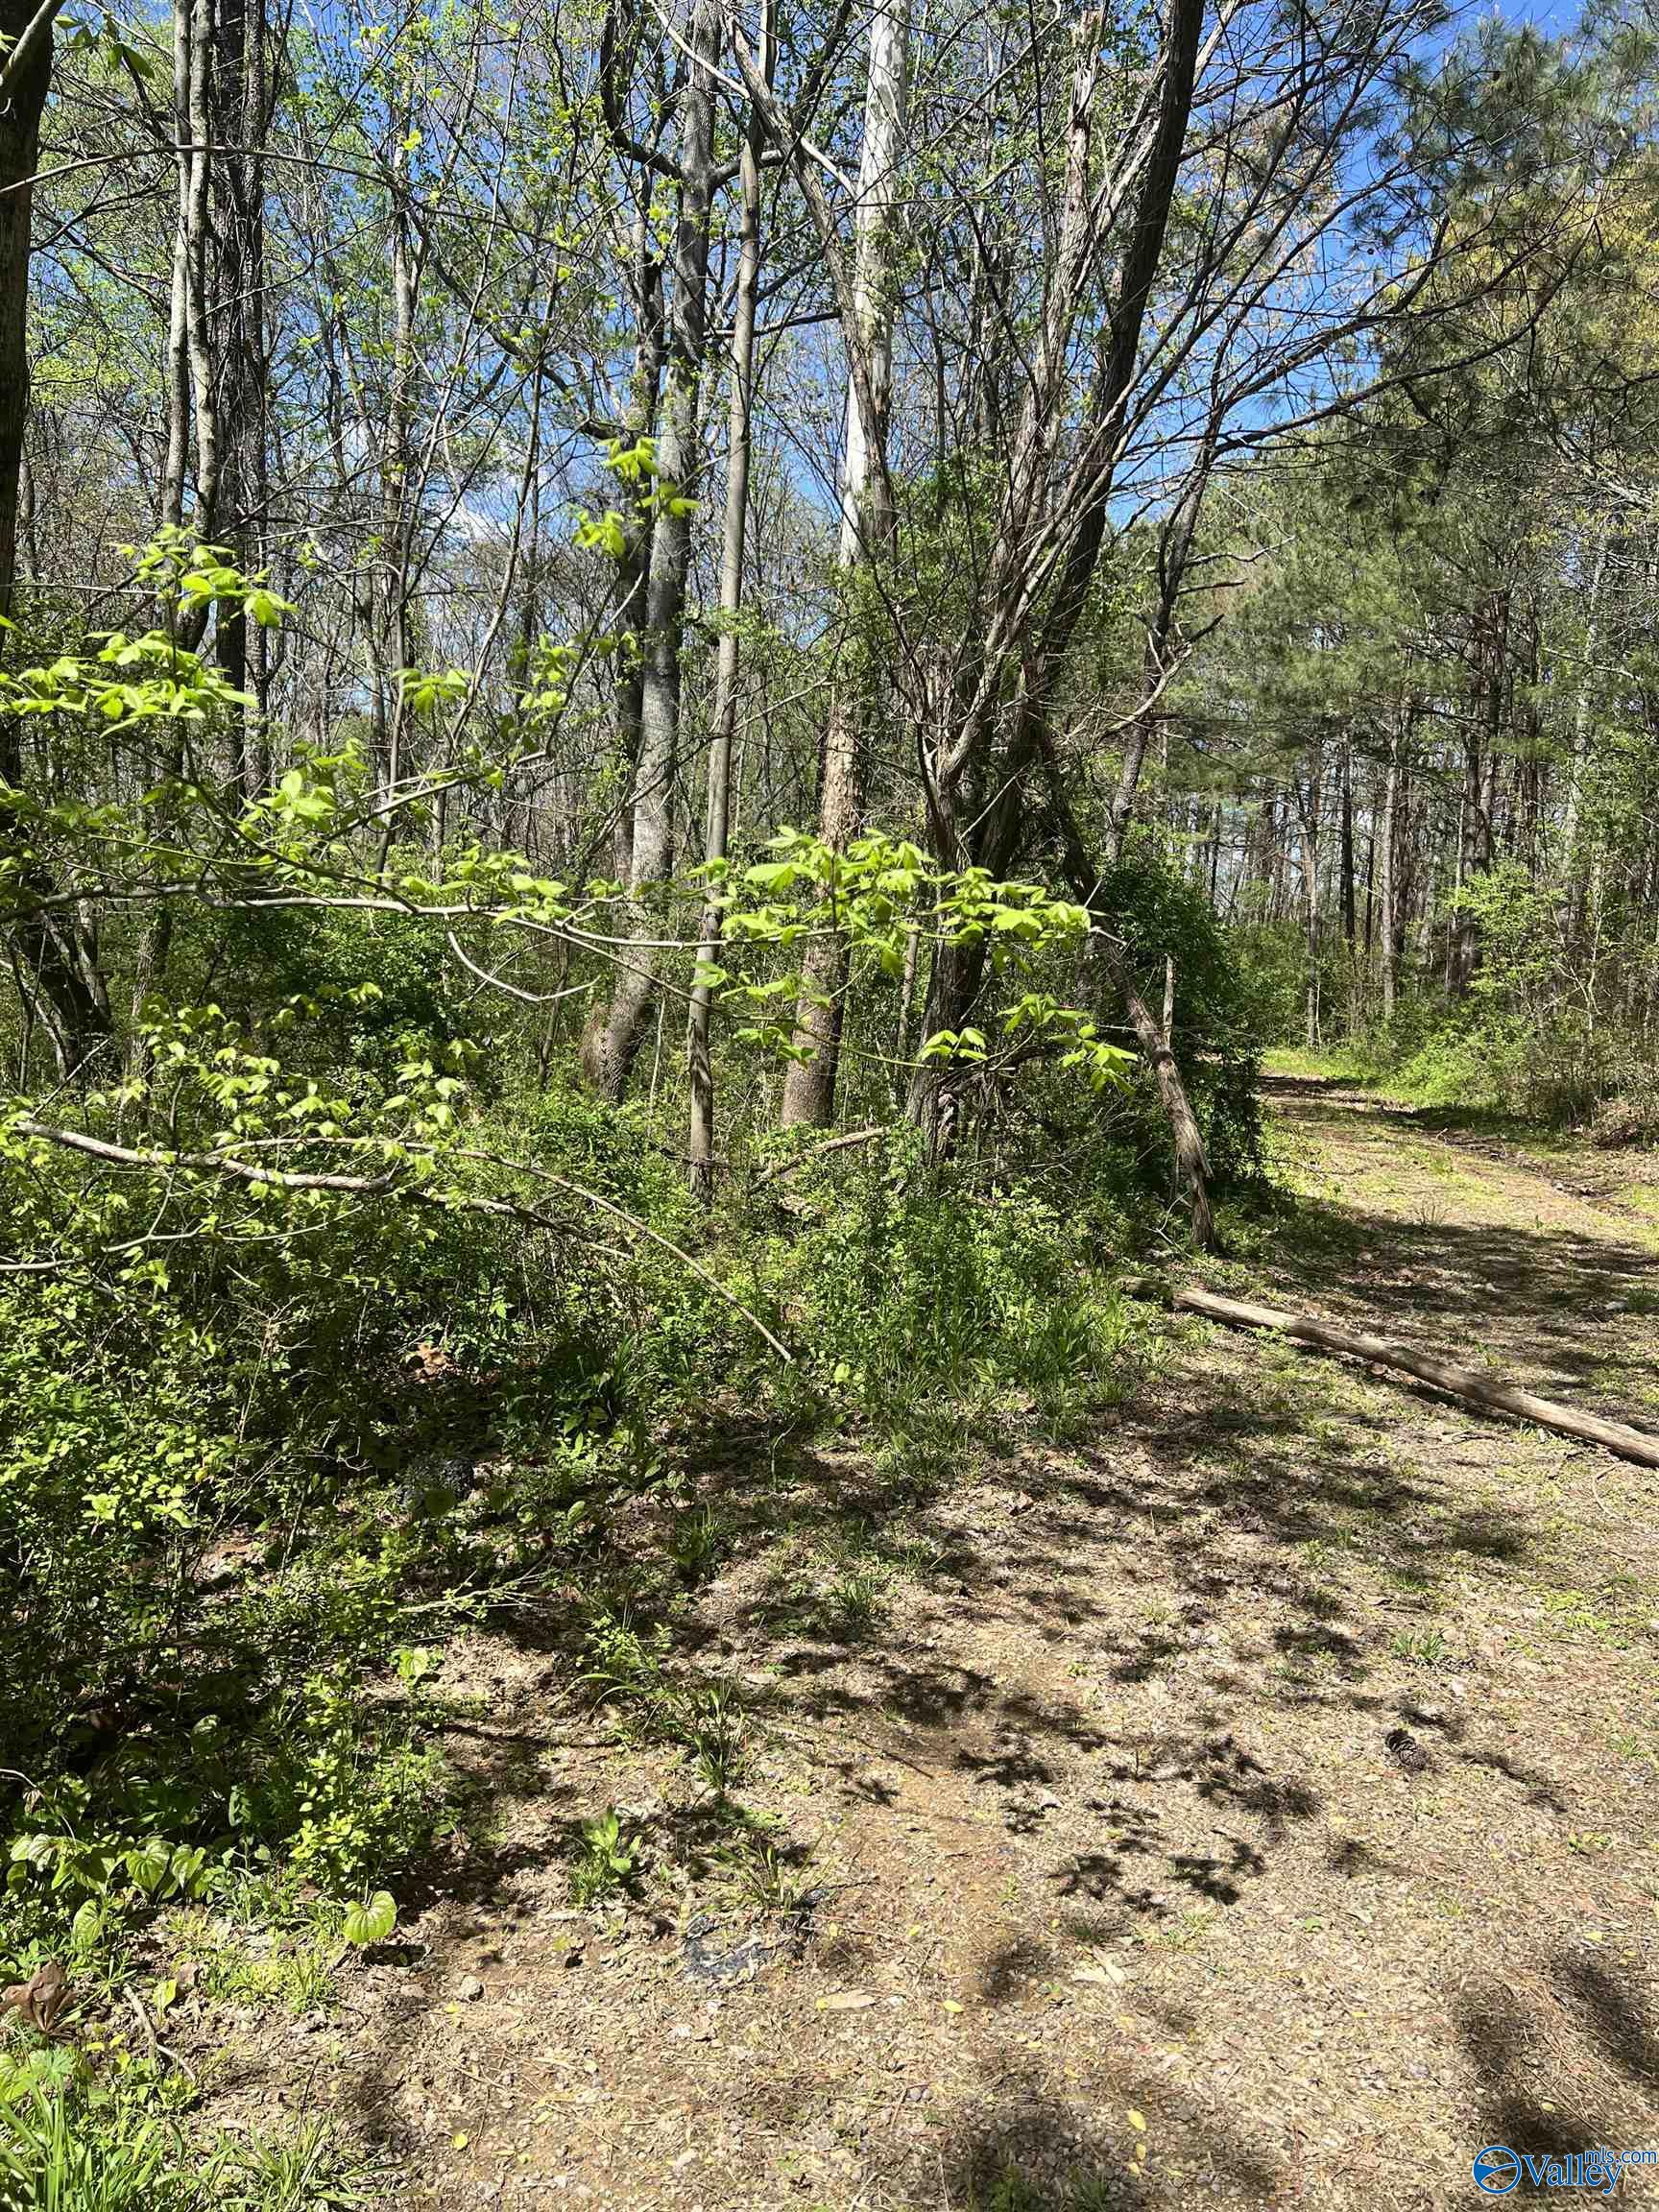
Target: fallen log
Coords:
[(1482, 1390)]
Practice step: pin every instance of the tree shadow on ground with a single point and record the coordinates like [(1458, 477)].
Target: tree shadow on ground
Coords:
[(1562, 2068), (1030, 2150), (1528, 1289), (1230, 1562)]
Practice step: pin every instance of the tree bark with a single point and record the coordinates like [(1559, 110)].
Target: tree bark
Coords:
[(700, 1139), (1191, 1163), (634, 570), (612, 1039), (1308, 811), (1387, 845), (238, 96), (52, 948), (21, 112), (1163, 649), (1571, 901), (1350, 925), (1483, 1390), (866, 530), (391, 644)]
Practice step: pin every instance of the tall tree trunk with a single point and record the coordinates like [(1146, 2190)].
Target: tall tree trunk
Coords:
[(1350, 929), (52, 948), (1161, 651), (391, 645), (866, 528), (237, 86), (1028, 632), (176, 468), (1085, 879), (194, 393), (1479, 772), (1572, 908), (634, 569), (26, 87), (1308, 811), (1387, 848), (612, 1035), (740, 429)]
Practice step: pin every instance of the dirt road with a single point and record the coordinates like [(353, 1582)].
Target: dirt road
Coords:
[(1257, 1807)]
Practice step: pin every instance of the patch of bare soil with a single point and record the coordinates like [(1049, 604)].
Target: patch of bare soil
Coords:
[(1260, 1807)]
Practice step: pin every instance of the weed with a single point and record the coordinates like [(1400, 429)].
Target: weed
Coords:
[(774, 1880), (1012, 2191), (1422, 1648), (90, 2148), (709, 1720), (914, 1552), (605, 1864), (1576, 1612), (624, 1668), (306, 2171), (293, 1971), (57, 2157), (696, 1545), (854, 1601), (1185, 1929)]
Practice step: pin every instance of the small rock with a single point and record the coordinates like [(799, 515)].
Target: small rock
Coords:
[(468, 1988)]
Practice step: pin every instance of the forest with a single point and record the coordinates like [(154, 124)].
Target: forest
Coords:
[(786, 788)]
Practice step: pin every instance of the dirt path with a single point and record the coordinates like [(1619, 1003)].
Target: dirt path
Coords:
[(1260, 1807)]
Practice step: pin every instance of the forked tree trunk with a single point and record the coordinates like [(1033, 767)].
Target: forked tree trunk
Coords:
[(613, 1037), (866, 528)]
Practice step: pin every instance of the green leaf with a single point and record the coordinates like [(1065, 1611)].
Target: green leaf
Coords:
[(370, 1922)]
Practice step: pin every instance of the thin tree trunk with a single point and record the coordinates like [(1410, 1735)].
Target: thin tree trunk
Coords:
[(700, 1143), (177, 466), (1163, 647), (1192, 1164), (634, 570), (1387, 843), (1573, 899), (866, 529), (1308, 811), (1350, 930), (204, 391), (391, 643), (614, 1033), (237, 85)]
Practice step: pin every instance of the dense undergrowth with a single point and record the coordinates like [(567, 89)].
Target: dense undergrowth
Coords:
[(257, 1468)]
